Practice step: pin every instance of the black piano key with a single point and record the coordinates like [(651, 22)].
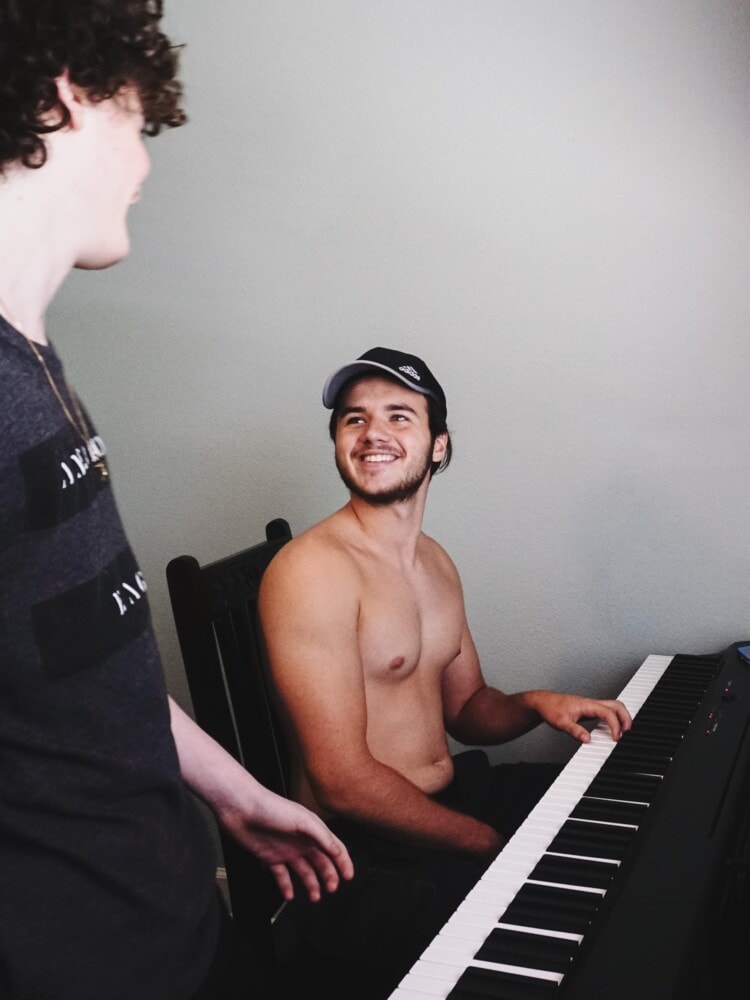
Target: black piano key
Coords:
[(670, 706), (672, 732), (640, 750), (609, 812), (665, 738), (696, 681), (592, 840), (680, 681), (684, 688), (655, 740), (574, 871), (675, 697), (477, 984), (620, 772), (532, 951), (631, 787), (552, 909), (623, 757), (690, 668), (656, 719), (675, 704)]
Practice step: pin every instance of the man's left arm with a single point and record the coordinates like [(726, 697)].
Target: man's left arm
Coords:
[(478, 714), (285, 835)]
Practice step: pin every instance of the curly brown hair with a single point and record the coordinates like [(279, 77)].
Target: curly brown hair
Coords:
[(105, 46)]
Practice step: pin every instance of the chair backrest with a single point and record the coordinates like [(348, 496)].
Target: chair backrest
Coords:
[(215, 614)]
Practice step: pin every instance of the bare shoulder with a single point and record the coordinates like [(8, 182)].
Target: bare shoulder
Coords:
[(315, 555), (311, 584), (437, 559)]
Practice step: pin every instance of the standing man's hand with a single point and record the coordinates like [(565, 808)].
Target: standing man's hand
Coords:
[(289, 838), (292, 841)]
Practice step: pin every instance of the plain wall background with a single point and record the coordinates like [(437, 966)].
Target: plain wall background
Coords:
[(549, 202)]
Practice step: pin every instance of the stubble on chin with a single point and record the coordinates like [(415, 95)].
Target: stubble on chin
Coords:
[(404, 491)]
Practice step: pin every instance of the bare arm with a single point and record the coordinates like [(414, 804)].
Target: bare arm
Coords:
[(290, 839), (482, 715), (309, 609)]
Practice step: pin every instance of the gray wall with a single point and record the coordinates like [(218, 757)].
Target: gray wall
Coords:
[(549, 201)]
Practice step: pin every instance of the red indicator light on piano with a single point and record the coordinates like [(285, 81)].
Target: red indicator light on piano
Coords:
[(712, 722)]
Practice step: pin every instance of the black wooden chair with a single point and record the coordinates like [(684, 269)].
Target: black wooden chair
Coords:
[(215, 614)]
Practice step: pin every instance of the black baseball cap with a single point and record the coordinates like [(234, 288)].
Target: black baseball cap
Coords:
[(407, 368)]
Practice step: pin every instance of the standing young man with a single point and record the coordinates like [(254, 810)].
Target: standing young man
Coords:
[(107, 887), (373, 659)]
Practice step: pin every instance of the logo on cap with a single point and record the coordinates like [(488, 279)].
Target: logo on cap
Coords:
[(407, 368)]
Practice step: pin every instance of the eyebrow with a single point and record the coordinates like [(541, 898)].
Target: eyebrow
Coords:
[(390, 408)]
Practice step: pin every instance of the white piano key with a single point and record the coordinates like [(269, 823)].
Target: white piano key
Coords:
[(486, 891), (584, 857), (417, 986), (597, 890), (432, 972), (453, 949), (480, 908), (470, 923), (465, 928), (520, 970), (402, 993), (606, 822), (543, 931), (446, 965), (605, 798)]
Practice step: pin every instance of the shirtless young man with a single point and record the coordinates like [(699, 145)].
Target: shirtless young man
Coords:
[(374, 662)]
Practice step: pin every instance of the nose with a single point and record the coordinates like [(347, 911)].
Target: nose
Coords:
[(376, 429)]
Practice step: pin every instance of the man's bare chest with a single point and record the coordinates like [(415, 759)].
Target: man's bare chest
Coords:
[(408, 625)]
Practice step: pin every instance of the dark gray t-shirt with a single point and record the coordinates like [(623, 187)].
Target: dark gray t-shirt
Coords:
[(106, 865)]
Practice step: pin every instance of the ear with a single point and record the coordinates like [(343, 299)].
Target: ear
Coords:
[(438, 449), (72, 98)]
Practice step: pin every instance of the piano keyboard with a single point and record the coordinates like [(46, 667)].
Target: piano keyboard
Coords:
[(519, 930)]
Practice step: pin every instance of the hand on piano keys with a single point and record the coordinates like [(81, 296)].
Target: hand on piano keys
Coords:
[(565, 712)]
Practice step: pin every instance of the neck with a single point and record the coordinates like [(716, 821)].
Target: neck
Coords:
[(395, 527), (32, 250), (26, 320)]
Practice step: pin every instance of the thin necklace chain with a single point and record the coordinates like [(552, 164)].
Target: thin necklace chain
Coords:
[(79, 424)]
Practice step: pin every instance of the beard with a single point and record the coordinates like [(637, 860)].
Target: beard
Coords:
[(395, 494)]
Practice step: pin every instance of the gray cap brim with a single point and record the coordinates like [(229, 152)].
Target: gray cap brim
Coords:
[(338, 379)]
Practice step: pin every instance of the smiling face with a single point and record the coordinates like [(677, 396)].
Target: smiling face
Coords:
[(384, 448)]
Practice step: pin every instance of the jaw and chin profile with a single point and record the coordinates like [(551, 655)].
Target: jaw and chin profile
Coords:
[(399, 493)]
